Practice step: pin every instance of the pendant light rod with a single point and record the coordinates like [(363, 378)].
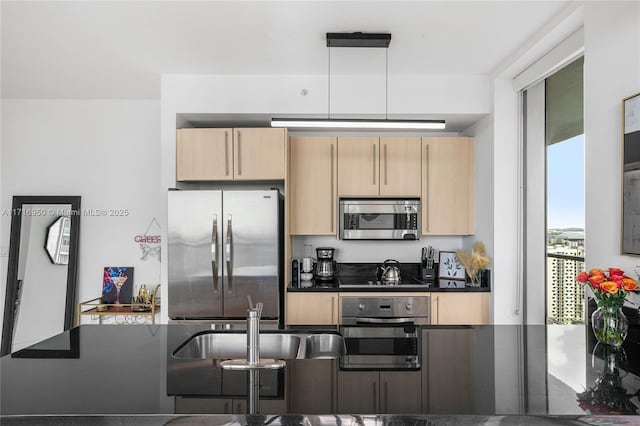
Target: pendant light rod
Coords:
[(358, 39)]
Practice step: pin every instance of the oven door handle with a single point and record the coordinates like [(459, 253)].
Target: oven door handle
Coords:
[(385, 321)]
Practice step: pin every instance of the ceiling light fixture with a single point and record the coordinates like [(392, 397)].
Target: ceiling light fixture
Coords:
[(320, 123), (358, 39)]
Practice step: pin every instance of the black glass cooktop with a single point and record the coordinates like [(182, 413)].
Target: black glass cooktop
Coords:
[(372, 281)]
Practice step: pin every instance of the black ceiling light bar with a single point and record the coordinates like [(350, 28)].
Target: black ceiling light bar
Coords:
[(358, 39)]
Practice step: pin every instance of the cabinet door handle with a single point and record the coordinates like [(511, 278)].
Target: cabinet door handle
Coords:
[(437, 310), (239, 155), (385, 163), (332, 196), (374, 164), (332, 386), (425, 363), (427, 192), (333, 321), (375, 397), (226, 153), (386, 402)]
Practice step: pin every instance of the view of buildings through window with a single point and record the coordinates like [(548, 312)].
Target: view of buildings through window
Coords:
[(565, 231)]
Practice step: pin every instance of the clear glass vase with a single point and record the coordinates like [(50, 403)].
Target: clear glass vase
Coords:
[(610, 325)]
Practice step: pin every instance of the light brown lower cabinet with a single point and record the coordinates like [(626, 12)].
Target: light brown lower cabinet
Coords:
[(210, 405), (460, 308), (383, 392), (311, 308), (447, 373), (312, 386)]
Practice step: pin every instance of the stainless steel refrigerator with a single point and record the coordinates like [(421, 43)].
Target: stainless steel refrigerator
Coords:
[(223, 247)]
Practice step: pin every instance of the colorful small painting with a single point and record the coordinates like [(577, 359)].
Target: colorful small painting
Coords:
[(117, 284)]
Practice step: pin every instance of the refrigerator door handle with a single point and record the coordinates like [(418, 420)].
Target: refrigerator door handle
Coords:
[(228, 254), (214, 253)]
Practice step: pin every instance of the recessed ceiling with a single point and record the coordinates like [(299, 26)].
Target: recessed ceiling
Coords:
[(103, 49)]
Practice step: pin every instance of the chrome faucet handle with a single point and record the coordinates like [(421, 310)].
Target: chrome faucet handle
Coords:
[(257, 308)]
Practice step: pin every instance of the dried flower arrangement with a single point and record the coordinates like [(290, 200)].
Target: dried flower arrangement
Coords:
[(474, 262)]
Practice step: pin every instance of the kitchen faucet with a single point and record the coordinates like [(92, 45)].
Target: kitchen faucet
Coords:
[(253, 332), (253, 345)]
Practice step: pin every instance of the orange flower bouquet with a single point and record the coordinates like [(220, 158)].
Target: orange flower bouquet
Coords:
[(610, 289)]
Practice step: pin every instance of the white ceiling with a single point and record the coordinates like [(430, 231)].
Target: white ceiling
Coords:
[(84, 49)]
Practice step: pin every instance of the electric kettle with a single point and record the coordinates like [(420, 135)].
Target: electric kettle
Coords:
[(389, 273)]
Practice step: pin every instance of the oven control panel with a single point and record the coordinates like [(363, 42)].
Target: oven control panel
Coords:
[(385, 310)]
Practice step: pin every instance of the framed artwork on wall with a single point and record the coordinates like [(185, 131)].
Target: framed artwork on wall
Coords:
[(630, 243)]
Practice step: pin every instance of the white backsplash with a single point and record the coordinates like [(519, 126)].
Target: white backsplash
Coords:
[(376, 251)]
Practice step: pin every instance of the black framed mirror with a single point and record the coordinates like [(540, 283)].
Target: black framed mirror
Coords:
[(40, 297)]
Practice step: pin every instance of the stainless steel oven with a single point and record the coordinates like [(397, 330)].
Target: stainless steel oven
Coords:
[(383, 332), (379, 219)]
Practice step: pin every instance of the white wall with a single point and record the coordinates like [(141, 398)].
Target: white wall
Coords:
[(507, 296), (483, 132), (375, 251), (106, 151), (611, 73)]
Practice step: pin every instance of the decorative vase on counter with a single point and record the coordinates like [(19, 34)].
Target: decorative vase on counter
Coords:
[(609, 324), (610, 288), (476, 280)]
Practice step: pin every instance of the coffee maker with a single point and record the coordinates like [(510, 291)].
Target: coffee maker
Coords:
[(325, 265)]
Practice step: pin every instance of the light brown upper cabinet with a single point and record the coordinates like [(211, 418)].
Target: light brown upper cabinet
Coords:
[(313, 181), (204, 154), (400, 167), (230, 154), (358, 166), (259, 154), (372, 166), (448, 186)]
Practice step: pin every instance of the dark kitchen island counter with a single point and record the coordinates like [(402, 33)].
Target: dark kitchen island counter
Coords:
[(482, 371)]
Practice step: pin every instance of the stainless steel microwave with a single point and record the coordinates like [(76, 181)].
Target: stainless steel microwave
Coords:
[(379, 219)]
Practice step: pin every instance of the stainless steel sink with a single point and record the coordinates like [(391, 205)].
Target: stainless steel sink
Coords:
[(216, 345), (324, 346), (234, 345)]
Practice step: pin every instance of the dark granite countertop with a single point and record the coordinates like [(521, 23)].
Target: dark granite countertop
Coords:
[(475, 370), (389, 289), (351, 275)]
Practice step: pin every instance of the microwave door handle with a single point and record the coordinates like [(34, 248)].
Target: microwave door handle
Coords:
[(366, 320), (214, 253)]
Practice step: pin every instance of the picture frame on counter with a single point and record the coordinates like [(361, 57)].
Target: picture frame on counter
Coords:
[(450, 266)]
